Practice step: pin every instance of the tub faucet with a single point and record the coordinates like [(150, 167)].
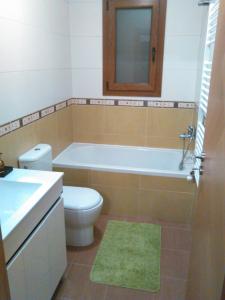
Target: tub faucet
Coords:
[(190, 134)]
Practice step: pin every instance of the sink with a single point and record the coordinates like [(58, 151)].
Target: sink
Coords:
[(14, 196), (26, 196)]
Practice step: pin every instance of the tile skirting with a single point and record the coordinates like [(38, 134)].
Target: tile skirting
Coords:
[(28, 119)]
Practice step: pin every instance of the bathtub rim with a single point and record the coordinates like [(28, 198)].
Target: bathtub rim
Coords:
[(120, 169)]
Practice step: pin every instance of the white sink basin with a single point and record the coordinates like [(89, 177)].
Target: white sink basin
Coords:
[(13, 195), (25, 198)]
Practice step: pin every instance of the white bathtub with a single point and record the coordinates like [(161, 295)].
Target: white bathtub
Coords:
[(124, 159)]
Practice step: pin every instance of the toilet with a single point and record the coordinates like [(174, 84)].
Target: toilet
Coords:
[(82, 206)]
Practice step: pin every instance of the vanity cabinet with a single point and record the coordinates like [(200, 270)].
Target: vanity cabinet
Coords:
[(36, 269)]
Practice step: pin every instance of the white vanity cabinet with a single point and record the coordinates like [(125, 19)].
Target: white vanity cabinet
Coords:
[(36, 269)]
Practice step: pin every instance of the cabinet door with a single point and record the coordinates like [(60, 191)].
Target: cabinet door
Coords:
[(56, 246), (16, 277), (38, 266)]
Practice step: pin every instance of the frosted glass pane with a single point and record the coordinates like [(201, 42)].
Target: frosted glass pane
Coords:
[(133, 28)]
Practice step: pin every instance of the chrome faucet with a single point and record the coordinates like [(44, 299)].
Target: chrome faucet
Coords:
[(190, 134)]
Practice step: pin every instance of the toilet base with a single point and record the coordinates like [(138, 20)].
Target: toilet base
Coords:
[(80, 236)]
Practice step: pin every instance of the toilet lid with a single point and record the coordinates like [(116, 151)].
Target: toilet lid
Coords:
[(78, 198)]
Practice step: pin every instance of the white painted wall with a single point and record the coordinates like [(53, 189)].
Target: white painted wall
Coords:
[(34, 56), (184, 27)]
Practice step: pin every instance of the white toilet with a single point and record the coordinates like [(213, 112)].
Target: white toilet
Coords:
[(82, 205)]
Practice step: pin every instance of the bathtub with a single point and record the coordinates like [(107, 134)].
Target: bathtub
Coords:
[(124, 159)]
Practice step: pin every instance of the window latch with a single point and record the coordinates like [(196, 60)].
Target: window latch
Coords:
[(153, 54)]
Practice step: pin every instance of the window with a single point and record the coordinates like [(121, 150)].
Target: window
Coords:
[(133, 38)]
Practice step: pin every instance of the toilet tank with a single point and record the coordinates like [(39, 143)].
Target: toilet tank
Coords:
[(37, 158)]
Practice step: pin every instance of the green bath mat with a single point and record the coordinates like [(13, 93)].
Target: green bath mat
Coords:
[(129, 256)]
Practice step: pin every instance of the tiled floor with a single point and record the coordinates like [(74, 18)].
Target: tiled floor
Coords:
[(176, 241)]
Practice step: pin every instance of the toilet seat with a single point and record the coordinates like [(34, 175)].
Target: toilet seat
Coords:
[(79, 198)]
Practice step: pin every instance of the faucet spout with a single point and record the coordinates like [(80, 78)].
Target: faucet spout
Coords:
[(191, 132), (185, 136)]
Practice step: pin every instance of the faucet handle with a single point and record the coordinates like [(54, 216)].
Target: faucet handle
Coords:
[(202, 156)]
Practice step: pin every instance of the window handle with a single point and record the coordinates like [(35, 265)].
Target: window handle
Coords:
[(153, 54)]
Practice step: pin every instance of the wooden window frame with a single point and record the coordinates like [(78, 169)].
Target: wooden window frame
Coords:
[(154, 86)]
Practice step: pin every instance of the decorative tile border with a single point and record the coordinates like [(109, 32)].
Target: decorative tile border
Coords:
[(16, 124), (47, 111), (186, 105), (11, 126), (136, 103), (101, 102), (161, 104), (31, 118), (131, 103), (60, 105)]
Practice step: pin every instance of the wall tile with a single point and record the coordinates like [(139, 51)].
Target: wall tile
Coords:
[(85, 137), (109, 194), (164, 142), (35, 14), (21, 46), (114, 179), (34, 56), (125, 202), (73, 177), (125, 120), (87, 83), (88, 119), (168, 123), (181, 52), (124, 139), (81, 47), (179, 84), (86, 18), (54, 129), (181, 49), (132, 195), (166, 183), (118, 201), (46, 130), (32, 91), (164, 205), (179, 12), (64, 128), (16, 143), (153, 127)]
